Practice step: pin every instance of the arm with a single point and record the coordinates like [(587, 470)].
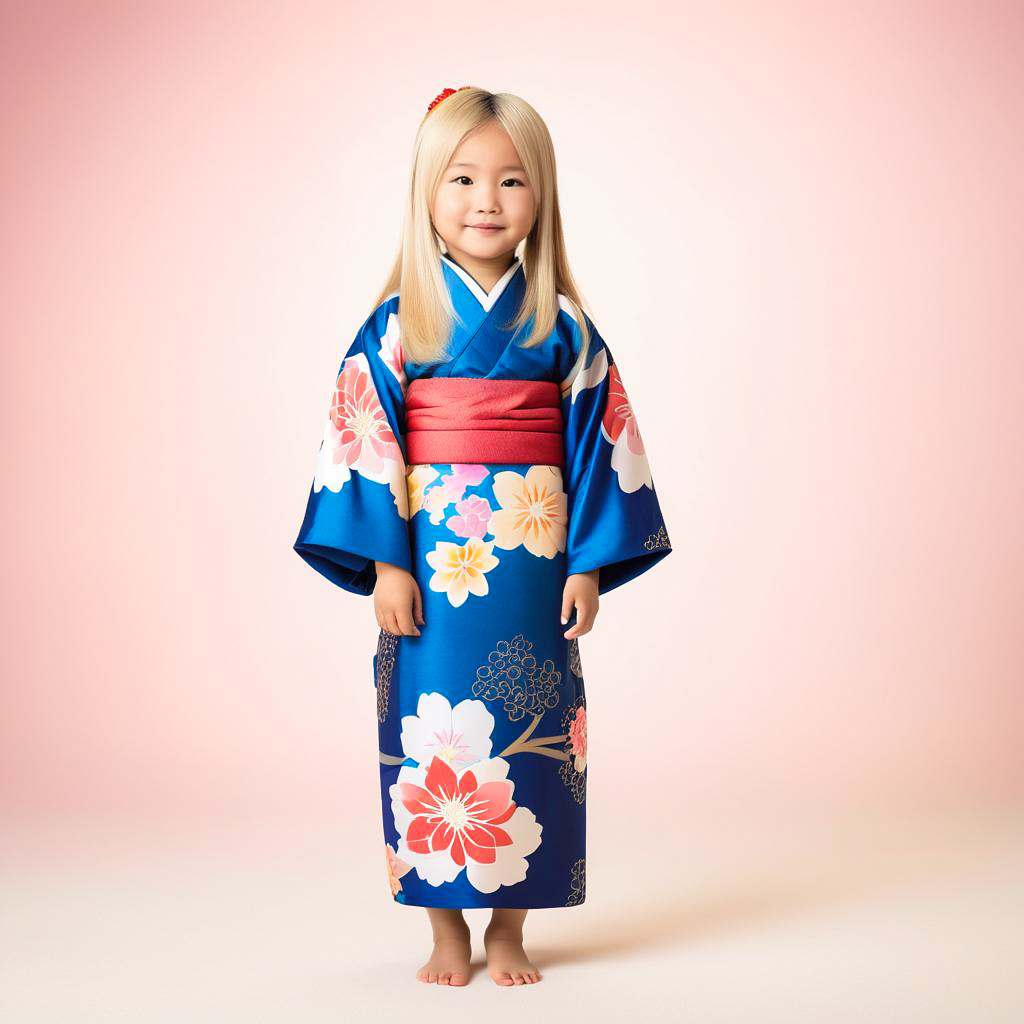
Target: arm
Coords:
[(615, 519), (357, 509)]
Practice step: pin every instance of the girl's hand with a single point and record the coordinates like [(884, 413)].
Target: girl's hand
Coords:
[(396, 600), (581, 591)]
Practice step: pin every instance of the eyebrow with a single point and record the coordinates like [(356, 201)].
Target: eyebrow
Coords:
[(511, 167)]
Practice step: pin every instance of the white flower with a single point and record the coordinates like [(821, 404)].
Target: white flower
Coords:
[(460, 735)]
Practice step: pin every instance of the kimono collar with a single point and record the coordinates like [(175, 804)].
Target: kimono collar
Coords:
[(486, 299)]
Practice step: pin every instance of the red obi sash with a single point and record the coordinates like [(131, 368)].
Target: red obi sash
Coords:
[(475, 419)]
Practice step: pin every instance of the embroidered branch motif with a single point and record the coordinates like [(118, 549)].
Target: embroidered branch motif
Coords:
[(513, 676), (385, 664), (578, 883), (574, 659), (538, 745), (658, 540)]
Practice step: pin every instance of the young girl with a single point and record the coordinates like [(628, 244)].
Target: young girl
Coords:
[(482, 475)]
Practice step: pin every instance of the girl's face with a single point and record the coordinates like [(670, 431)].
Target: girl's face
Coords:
[(484, 183)]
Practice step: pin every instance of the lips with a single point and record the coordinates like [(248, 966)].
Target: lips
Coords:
[(486, 227)]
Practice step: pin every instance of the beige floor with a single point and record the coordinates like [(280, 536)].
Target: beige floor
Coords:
[(892, 921)]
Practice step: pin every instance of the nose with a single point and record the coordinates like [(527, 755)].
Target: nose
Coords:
[(486, 201)]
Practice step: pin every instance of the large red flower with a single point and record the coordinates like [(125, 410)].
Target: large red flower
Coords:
[(618, 414), (457, 812), (365, 437)]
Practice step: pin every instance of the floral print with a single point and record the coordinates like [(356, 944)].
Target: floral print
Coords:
[(533, 511), (474, 514), (391, 354), (578, 738), (573, 769), (358, 438), (513, 676), (451, 488), (578, 883), (459, 569), (619, 426), (453, 814), (459, 736), (417, 480), (396, 868)]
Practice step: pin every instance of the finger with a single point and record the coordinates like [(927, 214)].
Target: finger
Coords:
[(391, 624), (418, 605), (567, 603), (585, 615), (407, 626)]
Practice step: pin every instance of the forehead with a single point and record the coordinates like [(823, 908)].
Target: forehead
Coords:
[(488, 148)]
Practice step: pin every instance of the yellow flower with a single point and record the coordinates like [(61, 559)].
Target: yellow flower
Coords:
[(417, 479), (533, 511), (459, 568)]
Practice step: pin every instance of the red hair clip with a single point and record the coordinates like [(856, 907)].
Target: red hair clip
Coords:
[(443, 95)]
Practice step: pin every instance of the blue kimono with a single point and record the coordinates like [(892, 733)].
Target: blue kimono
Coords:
[(482, 718)]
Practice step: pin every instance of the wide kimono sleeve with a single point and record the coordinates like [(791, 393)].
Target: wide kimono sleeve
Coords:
[(357, 511), (615, 520)]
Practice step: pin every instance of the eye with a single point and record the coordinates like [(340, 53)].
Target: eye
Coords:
[(465, 177)]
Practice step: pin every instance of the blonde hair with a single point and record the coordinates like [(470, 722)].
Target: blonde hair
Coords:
[(426, 314)]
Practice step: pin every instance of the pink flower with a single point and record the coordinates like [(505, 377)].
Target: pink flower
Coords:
[(458, 814), (365, 439), (474, 515), (578, 738), (468, 474), (618, 414), (464, 474), (396, 868)]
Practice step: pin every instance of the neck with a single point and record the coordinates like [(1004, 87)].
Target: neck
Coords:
[(487, 272)]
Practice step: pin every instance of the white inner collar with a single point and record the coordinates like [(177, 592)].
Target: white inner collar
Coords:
[(486, 299)]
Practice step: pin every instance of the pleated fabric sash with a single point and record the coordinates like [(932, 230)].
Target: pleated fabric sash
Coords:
[(473, 419)]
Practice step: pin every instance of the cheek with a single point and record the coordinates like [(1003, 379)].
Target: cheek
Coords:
[(524, 208), (447, 204)]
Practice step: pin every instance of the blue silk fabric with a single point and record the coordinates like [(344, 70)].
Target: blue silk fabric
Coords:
[(482, 719)]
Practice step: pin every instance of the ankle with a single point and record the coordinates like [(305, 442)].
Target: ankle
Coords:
[(503, 931), (451, 932)]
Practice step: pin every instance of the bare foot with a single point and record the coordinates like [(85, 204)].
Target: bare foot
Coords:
[(449, 961), (507, 962)]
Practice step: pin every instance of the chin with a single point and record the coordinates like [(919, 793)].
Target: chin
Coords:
[(475, 242)]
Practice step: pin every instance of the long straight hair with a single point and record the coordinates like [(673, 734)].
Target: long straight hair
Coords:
[(426, 314)]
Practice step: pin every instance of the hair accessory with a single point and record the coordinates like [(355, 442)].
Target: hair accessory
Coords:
[(443, 95)]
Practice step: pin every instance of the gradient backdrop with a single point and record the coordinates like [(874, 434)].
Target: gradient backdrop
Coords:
[(800, 227)]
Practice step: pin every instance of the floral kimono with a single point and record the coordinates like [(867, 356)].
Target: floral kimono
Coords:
[(482, 719)]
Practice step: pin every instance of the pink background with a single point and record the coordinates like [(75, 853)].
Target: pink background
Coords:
[(807, 267), (800, 228)]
